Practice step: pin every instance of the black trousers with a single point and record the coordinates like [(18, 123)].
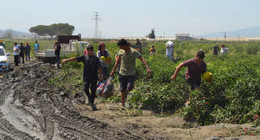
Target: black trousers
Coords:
[(57, 60), (27, 56), (22, 57), (93, 87), (16, 59)]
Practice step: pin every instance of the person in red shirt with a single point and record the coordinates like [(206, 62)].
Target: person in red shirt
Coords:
[(196, 67)]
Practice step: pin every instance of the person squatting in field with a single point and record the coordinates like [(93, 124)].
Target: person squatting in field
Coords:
[(223, 49), (216, 49), (196, 67), (152, 50), (126, 58), (90, 73), (138, 42), (104, 58)]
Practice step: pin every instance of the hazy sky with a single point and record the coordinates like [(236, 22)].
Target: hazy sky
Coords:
[(132, 18)]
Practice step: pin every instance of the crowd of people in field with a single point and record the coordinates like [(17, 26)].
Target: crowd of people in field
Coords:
[(20, 50), (96, 66)]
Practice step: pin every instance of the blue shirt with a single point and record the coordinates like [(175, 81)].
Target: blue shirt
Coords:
[(36, 47)]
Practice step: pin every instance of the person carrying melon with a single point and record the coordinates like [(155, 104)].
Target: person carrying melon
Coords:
[(196, 68), (104, 58)]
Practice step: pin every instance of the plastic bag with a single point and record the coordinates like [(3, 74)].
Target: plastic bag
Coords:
[(106, 88)]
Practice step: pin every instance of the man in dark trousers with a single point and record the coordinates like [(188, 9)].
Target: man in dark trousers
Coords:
[(57, 48), (90, 73), (21, 54), (27, 50)]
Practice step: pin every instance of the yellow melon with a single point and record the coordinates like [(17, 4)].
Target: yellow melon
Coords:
[(207, 76), (103, 58)]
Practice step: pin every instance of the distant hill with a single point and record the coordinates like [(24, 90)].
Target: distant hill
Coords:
[(14, 33), (247, 32)]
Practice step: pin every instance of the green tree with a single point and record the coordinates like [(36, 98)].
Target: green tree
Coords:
[(62, 29), (39, 30), (152, 34), (54, 29), (50, 32)]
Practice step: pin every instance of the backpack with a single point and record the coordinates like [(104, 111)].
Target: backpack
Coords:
[(106, 88)]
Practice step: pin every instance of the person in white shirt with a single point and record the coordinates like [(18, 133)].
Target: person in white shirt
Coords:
[(16, 51), (223, 49), (169, 50)]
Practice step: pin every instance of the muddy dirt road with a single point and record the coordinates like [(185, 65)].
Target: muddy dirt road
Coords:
[(31, 109)]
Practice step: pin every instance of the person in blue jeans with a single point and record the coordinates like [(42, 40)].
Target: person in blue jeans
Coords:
[(27, 50), (57, 48)]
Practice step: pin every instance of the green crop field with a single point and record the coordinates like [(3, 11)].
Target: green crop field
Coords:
[(44, 44), (232, 97)]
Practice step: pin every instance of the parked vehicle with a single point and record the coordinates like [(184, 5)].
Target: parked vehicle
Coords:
[(4, 61), (74, 46)]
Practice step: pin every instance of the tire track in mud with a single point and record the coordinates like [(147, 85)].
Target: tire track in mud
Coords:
[(30, 109)]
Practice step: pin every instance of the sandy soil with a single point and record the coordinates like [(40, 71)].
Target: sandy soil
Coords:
[(172, 127)]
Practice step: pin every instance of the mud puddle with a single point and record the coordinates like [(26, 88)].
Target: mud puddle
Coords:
[(31, 109)]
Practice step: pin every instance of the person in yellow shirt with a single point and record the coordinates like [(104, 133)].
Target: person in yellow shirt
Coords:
[(152, 50)]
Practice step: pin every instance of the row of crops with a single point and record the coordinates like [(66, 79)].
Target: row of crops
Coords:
[(233, 96)]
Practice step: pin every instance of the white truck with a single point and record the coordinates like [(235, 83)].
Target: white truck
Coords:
[(74, 47)]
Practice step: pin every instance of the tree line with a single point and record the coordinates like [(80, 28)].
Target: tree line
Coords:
[(53, 30), (63, 29)]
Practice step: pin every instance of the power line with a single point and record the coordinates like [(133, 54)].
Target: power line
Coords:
[(96, 18)]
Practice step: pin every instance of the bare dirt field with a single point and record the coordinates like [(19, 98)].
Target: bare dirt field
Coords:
[(32, 109)]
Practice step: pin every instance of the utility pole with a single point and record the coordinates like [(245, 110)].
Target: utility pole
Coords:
[(164, 34), (96, 18), (225, 36)]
